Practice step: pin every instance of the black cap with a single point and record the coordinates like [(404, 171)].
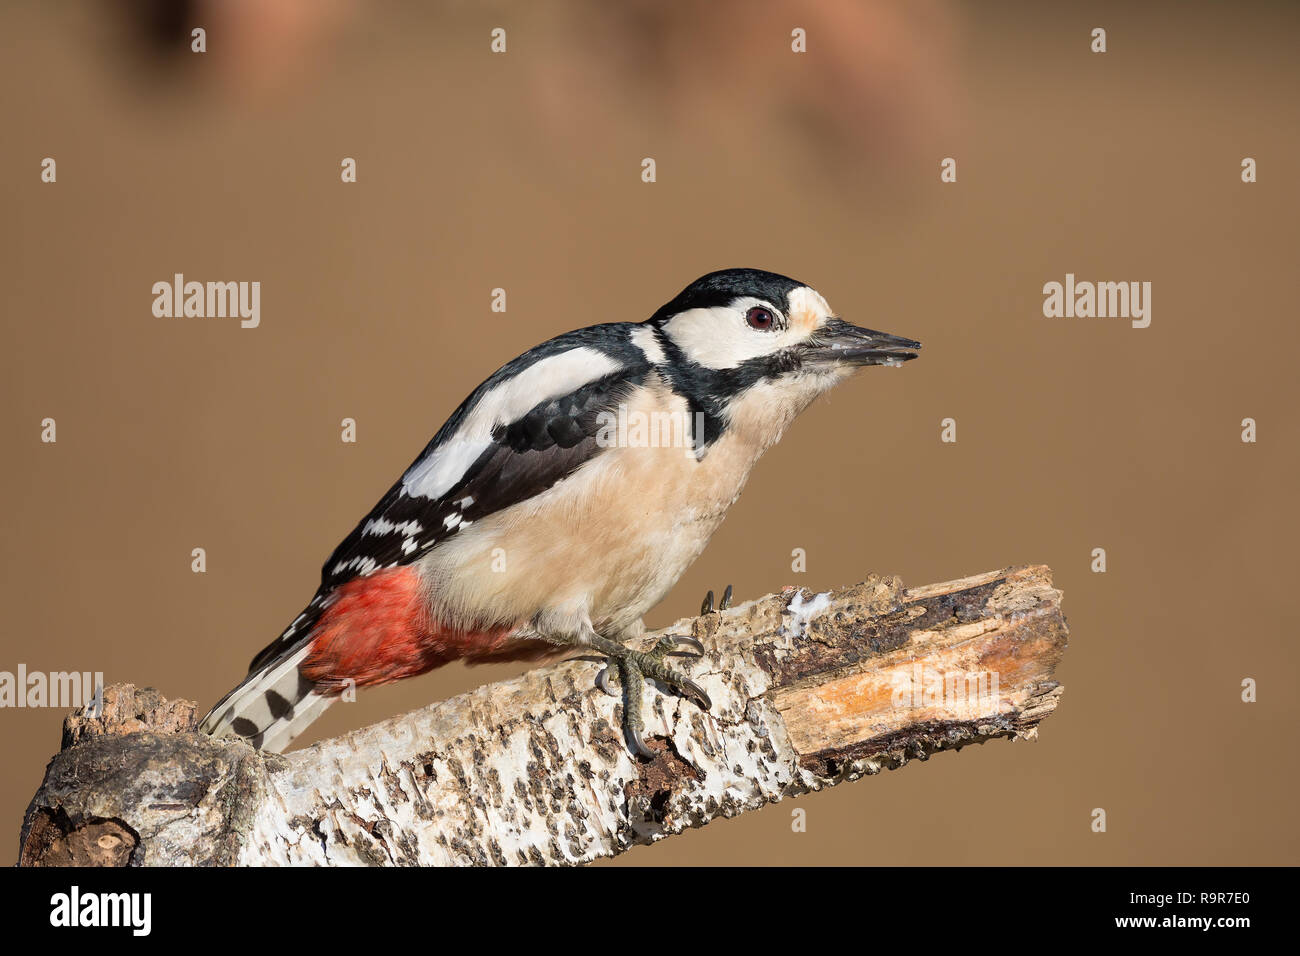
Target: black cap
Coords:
[(726, 285)]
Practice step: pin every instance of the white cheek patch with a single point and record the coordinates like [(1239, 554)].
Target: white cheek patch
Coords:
[(699, 333), (552, 377), (721, 338)]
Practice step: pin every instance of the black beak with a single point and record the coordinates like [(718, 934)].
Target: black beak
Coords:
[(838, 341)]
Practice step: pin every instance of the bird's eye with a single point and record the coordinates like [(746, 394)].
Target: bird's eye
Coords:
[(759, 318)]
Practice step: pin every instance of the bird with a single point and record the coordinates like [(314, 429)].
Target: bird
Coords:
[(561, 501)]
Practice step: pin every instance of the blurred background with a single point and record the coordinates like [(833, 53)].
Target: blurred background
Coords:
[(522, 171)]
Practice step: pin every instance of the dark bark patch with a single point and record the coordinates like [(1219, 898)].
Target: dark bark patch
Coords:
[(894, 750), (658, 780), (853, 634), (55, 839)]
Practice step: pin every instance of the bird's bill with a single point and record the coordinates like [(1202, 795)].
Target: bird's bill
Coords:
[(838, 341)]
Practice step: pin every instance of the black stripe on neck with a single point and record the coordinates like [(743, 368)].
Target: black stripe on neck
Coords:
[(708, 390)]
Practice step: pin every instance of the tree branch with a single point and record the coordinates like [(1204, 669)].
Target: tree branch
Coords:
[(808, 692)]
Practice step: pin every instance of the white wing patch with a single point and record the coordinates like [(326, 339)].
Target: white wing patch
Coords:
[(552, 377), (384, 526), (363, 566)]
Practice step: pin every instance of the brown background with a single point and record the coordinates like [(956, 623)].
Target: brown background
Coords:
[(522, 171)]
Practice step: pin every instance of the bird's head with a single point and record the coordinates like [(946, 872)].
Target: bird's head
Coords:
[(747, 318), (758, 337)]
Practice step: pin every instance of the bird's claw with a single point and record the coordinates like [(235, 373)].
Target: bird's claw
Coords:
[(706, 606), (602, 680), (670, 642), (607, 675), (639, 745), (696, 693), (632, 667)]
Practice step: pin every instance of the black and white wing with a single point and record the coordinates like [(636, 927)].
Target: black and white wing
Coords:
[(530, 425)]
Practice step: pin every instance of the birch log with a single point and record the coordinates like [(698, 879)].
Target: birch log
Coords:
[(809, 691)]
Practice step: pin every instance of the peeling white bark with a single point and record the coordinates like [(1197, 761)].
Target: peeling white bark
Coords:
[(535, 769)]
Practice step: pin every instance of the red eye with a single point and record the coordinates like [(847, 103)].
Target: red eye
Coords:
[(759, 318)]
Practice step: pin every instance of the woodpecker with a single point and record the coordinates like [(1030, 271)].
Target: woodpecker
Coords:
[(547, 514)]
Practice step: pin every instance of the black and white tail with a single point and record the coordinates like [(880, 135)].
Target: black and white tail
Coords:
[(274, 703)]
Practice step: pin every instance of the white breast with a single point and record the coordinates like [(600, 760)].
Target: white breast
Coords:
[(614, 537)]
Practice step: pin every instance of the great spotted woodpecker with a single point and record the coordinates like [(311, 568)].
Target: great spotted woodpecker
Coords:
[(548, 514)]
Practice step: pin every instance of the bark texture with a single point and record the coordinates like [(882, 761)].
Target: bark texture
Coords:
[(809, 690)]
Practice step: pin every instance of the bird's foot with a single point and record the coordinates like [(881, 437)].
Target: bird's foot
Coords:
[(630, 668), (706, 606)]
